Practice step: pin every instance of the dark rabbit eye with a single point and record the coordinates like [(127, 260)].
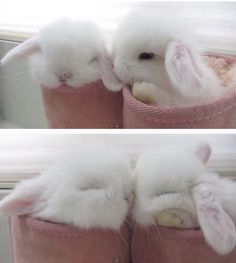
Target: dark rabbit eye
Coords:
[(146, 56), (165, 193), (91, 186), (95, 59), (86, 188)]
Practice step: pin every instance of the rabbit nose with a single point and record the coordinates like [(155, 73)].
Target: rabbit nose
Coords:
[(65, 76)]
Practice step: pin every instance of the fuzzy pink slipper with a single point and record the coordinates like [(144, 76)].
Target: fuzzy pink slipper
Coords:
[(169, 245), (37, 241), (90, 106), (218, 114)]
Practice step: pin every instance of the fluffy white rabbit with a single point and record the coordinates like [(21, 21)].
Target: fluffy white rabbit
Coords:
[(163, 52), (90, 189), (66, 52), (173, 182)]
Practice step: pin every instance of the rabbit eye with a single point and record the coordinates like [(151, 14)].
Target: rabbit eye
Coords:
[(146, 56), (95, 59), (91, 186), (165, 193), (86, 188)]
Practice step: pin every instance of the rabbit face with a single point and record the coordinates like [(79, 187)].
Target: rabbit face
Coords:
[(69, 54), (162, 51), (63, 53), (139, 49)]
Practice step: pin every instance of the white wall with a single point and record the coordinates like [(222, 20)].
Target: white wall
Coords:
[(20, 97), (5, 242)]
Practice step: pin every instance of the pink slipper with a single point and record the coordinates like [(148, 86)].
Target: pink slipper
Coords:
[(218, 114), (37, 241), (90, 106), (158, 244)]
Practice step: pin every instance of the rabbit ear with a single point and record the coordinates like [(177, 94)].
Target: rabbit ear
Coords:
[(203, 151), (183, 65), (23, 199), (217, 227), (25, 49), (108, 75)]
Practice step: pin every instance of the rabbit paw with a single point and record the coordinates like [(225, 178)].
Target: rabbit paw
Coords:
[(144, 92)]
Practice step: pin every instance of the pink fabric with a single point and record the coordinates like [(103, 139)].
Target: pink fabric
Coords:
[(90, 106), (36, 241), (219, 114), (168, 245)]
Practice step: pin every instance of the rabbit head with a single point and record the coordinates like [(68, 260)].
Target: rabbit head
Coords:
[(152, 49), (90, 189), (138, 49), (173, 183), (63, 53)]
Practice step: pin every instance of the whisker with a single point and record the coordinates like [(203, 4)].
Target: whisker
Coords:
[(162, 240), (126, 242)]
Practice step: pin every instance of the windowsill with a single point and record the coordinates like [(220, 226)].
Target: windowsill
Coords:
[(6, 187), (16, 169), (4, 124), (15, 36)]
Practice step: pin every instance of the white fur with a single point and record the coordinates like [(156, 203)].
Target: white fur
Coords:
[(179, 80), (175, 178), (61, 48), (108, 75), (90, 189)]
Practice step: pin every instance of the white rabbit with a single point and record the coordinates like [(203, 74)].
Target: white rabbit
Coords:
[(65, 52), (90, 189), (173, 182), (163, 52)]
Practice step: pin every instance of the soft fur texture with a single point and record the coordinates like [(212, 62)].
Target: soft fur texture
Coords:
[(90, 189), (225, 68), (66, 53), (181, 77), (175, 180)]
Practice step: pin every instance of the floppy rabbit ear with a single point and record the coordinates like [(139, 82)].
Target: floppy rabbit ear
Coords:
[(203, 151), (23, 199), (184, 67), (217, 227), (108, 75), (25, 49)]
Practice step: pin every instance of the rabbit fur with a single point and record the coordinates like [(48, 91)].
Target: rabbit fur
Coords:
[(68, 53), (90, 189), (175, 179), (173, 62)]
